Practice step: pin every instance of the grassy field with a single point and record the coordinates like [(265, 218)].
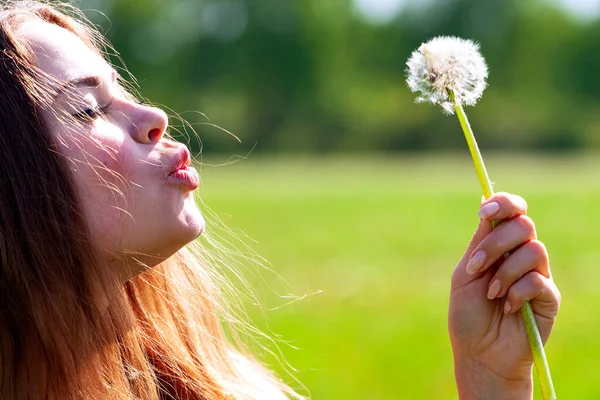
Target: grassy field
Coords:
[(372, 243)]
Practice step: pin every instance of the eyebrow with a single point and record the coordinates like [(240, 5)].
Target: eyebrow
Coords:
[(84, 82)]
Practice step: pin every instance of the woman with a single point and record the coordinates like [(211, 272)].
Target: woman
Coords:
[(102, 295)]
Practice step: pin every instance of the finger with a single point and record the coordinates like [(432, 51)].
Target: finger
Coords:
[(505, 238), (544, 296), (532, 256), (460, 276), (502, 206)]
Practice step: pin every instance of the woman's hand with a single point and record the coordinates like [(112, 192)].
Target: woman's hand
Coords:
[(492, 359)]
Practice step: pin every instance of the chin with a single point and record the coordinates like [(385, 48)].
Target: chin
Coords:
[(179, 230), (189, 227), (195, 226), (190, 223)]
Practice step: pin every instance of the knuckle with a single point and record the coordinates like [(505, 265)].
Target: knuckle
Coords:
[(524, 206), (538, 249), (511, 200), (502, 198), (536, 279), (526, 224), (554, 290)]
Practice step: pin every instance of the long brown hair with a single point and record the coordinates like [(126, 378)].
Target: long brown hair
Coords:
[(68, 330)]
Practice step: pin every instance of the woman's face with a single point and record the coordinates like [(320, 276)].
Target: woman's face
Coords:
[(133, 184)]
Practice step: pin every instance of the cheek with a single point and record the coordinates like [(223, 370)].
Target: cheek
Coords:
[(102, 187), (99, 162), (103, 173)]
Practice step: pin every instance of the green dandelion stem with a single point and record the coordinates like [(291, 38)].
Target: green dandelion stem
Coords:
[(533, 333), (482, 175), (539, 356)]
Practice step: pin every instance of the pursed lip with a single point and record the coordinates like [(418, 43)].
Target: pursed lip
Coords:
[(181, 160), (181, 172)]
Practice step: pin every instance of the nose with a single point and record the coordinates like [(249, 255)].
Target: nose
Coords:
[(148, 124)]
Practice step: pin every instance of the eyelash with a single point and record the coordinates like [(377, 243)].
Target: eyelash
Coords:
[(92, 113)]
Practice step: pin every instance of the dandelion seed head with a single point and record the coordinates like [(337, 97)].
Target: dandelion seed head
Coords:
[(446, 64)]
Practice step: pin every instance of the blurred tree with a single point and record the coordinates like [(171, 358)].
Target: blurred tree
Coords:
[(313, 75)]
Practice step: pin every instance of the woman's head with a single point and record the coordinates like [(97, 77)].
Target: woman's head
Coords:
[(91, 193), (132, 185)]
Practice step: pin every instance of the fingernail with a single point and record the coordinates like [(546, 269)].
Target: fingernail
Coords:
[(476, 262), (489, 210), (494, 290), (507, 307)]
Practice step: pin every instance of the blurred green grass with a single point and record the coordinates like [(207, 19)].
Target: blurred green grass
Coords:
[(378, 238)]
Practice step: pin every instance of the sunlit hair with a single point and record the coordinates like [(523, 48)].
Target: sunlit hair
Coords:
[(68, 329)]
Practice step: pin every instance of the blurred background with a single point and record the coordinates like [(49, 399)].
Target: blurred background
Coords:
[(362, 201)]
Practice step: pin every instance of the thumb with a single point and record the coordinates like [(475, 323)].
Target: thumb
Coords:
[(460, 276)]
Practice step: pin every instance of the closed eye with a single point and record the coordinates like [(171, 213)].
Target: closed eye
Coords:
[(92, 113)]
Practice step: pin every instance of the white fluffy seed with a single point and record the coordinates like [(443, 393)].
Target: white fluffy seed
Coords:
[(447, 64)]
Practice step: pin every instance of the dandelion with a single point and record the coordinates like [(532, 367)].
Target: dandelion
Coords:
[(446, 67), (450, 72)]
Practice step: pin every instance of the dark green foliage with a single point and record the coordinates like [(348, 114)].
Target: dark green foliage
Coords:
[(312, 75)]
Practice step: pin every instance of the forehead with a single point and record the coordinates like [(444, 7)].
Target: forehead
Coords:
[(61, 53)]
